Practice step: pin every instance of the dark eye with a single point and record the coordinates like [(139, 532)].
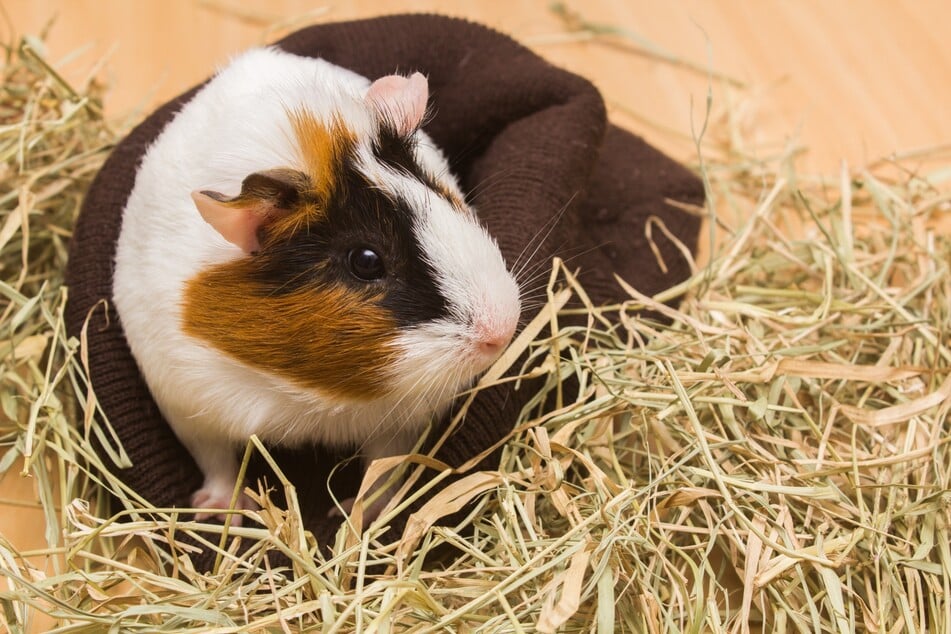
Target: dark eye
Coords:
[(365, 264)]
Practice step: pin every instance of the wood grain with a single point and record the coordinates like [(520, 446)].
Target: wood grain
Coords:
[(850, 81)]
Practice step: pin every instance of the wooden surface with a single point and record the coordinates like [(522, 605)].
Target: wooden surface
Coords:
[(850, 81)]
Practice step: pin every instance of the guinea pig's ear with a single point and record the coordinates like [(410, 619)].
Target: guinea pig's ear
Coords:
[(265, 196), (401, 100)]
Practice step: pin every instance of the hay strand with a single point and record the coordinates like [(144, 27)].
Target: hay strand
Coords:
[(776, 457)]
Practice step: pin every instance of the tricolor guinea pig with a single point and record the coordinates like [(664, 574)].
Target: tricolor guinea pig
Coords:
[(296, 261)]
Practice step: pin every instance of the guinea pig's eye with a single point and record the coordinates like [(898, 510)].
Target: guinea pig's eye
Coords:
[(365, 264)]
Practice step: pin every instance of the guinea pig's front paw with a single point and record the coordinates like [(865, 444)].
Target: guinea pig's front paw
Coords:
[(210, 497)]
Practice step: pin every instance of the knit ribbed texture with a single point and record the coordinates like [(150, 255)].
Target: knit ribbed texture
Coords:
[(531, 144)]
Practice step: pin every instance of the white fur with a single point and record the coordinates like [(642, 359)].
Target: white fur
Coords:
[(236, 125)]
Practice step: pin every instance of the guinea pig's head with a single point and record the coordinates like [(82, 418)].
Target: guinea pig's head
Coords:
[(364, 275)]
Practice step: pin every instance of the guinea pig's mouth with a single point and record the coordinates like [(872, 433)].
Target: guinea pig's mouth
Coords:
[(450, 353)]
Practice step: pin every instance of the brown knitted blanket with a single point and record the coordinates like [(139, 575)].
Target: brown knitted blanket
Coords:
[(526, 139)]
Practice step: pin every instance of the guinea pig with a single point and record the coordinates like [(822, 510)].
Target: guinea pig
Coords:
[(296, 261)]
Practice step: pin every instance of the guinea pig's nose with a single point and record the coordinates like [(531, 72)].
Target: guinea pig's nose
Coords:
[(492, 346), (491, 338)]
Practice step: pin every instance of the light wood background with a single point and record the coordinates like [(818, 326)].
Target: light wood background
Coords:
[(850, 81)]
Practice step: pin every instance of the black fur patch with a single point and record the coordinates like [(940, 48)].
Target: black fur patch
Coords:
[(399, 153), (358, 215)]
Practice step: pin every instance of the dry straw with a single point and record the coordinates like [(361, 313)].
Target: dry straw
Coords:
[(775, 458)]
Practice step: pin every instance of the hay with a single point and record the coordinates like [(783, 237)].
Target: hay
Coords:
[(775, 458)]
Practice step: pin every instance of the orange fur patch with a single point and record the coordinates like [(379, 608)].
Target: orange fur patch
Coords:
[(335, 339), (457, 203), (323, 149)]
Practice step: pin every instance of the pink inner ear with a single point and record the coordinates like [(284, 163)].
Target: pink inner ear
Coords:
[(401, 98), (237, 224)]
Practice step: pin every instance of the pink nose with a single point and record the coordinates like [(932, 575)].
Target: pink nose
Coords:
[(492, 339), (493, 346)]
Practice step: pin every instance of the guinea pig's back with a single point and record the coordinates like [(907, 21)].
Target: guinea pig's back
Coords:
[(235, 125)]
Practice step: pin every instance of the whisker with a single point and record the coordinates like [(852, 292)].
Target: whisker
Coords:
[(437, 389), (476, 190), (539, 240)]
